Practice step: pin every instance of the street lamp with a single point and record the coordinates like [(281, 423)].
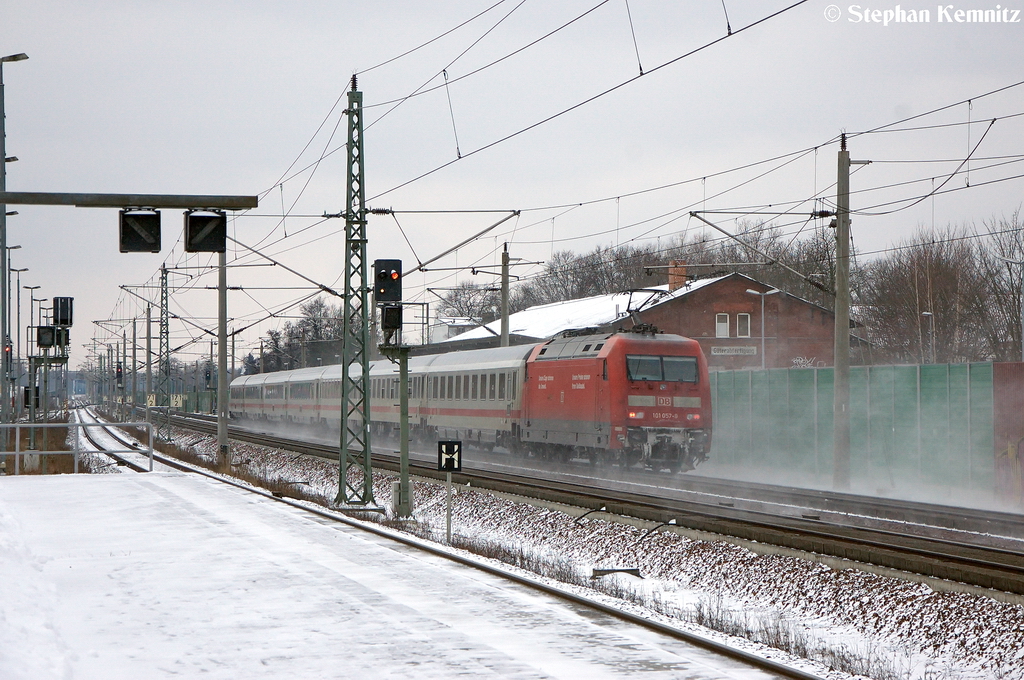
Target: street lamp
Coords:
[(763, 295), (31, 314), (17, 328), (931, 333), (5, 391)]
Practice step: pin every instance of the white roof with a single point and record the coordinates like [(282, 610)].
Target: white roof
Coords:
[(545, 321)]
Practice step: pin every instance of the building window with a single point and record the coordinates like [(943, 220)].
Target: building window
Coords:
[(721, 325), (742, 325)]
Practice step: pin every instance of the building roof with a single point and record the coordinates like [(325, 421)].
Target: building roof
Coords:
[(545, 321)]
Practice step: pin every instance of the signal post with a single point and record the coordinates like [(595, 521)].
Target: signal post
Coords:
[(387, 276)]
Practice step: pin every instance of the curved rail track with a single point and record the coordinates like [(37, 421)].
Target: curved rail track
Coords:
[(706, 642)]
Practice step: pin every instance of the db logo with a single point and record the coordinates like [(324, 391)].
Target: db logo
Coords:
[(664, 401)]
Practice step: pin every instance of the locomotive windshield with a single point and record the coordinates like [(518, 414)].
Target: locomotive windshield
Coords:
[(668, 369)]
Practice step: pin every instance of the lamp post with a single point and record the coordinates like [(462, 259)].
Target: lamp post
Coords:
[(763, 295), (931, 334), (8, 298), (17, 333), (5, 390)]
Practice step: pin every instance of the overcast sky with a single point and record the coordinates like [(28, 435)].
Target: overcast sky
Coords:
[(221, 97)]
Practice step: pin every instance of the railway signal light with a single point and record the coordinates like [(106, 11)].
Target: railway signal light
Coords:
[(387, 275), (391, 318), (206, 232), (63, 337), (46, 336), (120, 375), (63, 308), (139, 231)]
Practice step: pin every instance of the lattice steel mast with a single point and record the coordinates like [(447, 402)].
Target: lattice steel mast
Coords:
[(164, 377), (355, 367)]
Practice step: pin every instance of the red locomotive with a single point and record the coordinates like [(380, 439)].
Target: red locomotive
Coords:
[(633, 397)]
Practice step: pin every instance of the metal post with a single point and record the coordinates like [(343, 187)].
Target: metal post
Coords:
[(5, 390), (46, 403), (841, 398), (763, 362), (504, 296), (17, 332), (448, 512), (222, 364), (405, 495), (165, 353), (76, 446), (135, 366), (149, 358), (124, 381), (355, 389)]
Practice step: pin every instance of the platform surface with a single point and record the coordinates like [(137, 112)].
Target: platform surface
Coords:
[(176, 575)]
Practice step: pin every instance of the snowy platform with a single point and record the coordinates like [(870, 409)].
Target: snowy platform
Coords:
[(169, 574)]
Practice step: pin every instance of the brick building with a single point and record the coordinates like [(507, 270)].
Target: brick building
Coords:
[(726, 319), (719, 312)]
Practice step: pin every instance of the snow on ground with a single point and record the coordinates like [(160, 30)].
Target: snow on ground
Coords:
[(906, 629), (175, 574)]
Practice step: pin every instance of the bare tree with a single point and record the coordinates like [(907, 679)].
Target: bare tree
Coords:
[(929, 298), (471, 300)]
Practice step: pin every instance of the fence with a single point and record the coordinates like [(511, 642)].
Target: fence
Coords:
[(76, 451), (912, 427)]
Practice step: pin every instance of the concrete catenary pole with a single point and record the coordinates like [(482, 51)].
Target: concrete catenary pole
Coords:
[(841, 384), (504, 296)]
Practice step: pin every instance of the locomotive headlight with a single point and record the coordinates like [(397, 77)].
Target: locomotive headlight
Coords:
[(693, 416), (636, 414)]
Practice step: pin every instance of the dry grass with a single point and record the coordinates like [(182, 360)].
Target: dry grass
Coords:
[(48, 439)]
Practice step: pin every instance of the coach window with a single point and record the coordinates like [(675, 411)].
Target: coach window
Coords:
[(512, 385), (451, 387), (474, 386), (433, 387), (721, 325), (742, 325), (465, 387), (501, 386), (458, 387), (491, 387), (442, 390)]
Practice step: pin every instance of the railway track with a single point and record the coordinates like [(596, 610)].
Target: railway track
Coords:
[(779, 668), (87, 416), (974, 547)]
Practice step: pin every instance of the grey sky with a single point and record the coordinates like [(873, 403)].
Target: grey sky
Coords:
[(220, 97)]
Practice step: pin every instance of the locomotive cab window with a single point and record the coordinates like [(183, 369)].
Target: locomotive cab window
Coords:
[(668, 369)]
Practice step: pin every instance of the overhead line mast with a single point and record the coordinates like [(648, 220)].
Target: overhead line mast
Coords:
[(355, 388)]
